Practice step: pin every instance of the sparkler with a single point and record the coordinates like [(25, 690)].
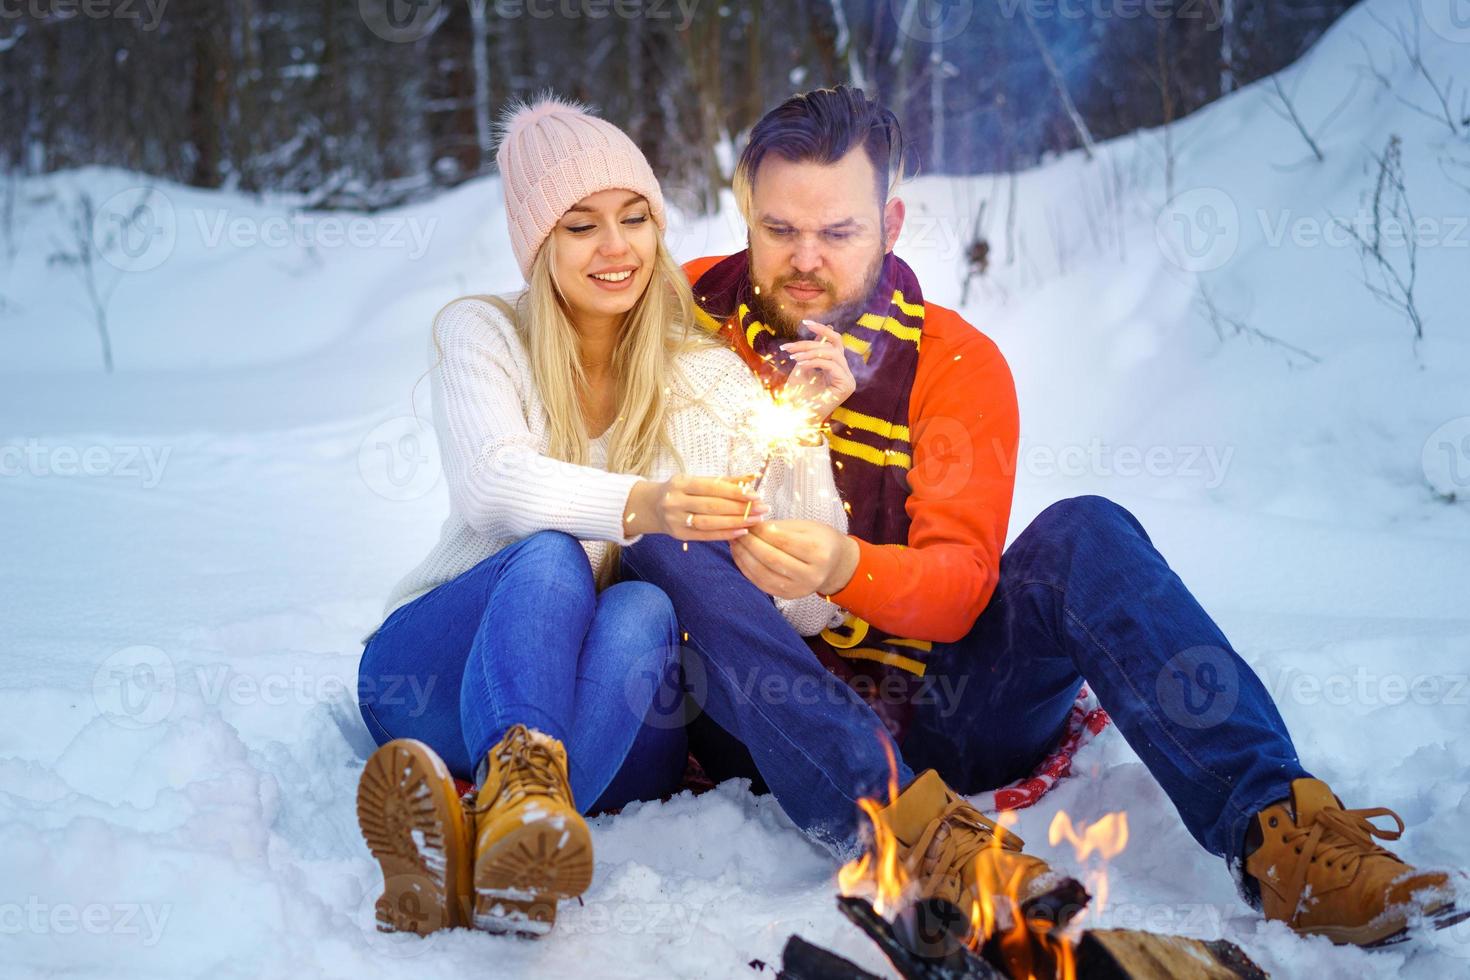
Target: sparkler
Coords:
[(777, 425)]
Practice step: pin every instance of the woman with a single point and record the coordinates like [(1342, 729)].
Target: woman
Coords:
[(582, 417)]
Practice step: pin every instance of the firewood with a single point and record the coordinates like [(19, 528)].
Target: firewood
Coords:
[(801, 960), (1126, 954), (927, 941), (934, 928)]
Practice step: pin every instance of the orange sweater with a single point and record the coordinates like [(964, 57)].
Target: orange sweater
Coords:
[(965, 425)]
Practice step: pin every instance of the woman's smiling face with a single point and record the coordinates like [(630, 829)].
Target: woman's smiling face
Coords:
[(606, 245)]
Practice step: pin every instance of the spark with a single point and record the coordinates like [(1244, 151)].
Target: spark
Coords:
[(777, 426)]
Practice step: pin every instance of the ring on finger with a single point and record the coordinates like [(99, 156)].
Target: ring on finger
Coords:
[(689, 519)]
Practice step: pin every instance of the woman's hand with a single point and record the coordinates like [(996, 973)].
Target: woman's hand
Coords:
[(693, 508), (822, 378)]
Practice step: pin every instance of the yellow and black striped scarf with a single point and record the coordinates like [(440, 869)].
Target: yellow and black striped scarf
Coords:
[(871, 449)]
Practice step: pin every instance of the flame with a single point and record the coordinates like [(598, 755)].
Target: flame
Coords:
[(1033, 949), (1106, 838), (879, 874)]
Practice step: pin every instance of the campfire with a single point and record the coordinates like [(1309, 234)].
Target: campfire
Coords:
[(1004, 937)]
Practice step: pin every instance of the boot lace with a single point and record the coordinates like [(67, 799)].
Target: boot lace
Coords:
[(528, 767), (952, 840), (1339, 840)]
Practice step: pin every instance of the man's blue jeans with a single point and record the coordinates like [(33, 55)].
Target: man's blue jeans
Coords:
[(524, 637), (1083, 595)]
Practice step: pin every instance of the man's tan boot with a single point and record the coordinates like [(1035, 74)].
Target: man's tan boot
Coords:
[(955, 852), (1321, 872), (412, 820), (532, 847)]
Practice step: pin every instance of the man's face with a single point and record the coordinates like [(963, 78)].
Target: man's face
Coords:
[(817, 239)]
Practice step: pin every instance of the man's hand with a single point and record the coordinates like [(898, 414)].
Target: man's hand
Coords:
[(792, 559), (822, 378)]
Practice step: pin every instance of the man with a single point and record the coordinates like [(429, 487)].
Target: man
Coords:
[(959, 660)]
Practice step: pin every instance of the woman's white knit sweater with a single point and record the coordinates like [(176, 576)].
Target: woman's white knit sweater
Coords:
[(492, 430)]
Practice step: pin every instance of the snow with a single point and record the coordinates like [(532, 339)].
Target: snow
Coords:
[(218, 523)]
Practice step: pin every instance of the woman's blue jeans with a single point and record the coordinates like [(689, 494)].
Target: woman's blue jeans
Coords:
[(524, 637)]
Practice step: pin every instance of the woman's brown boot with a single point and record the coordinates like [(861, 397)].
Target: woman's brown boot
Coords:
[(412, 820), (532, 847)]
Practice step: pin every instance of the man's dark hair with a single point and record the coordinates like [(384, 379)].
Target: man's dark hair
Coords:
[(823, 126)]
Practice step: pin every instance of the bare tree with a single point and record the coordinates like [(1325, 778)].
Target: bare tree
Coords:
[(1227, 325), (315, 99), (1448, 164), (82, 253), (1284, 107), (846, 49), (7, 216), (1227, 46), (1390, 279), (1084, 135), (1160, 70), (480, 66), (1406, 36)]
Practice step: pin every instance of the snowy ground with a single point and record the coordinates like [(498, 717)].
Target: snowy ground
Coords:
[(230, 508)]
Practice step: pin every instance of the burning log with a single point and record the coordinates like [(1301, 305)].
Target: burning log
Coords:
[(801, 960), (1004, 936), (930, 947), (930, 941)]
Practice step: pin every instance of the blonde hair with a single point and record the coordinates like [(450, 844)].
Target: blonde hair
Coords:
[(658, 329)]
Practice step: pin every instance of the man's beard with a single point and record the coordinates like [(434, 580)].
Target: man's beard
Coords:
[(767, 305)]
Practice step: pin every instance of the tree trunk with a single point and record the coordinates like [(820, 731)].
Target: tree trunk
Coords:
[(480, 65), (1084, 135), (1227, 46), (207, 101)]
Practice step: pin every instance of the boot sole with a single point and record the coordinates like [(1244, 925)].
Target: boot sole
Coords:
[(520, 878), (405, 809), (1396, 930)]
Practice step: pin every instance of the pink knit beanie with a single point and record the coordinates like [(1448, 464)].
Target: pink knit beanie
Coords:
[(553, 154)]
